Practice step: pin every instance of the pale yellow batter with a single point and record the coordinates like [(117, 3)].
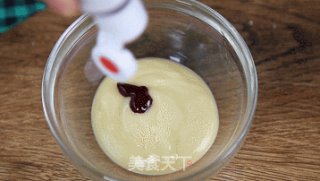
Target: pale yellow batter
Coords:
[(177, 130)]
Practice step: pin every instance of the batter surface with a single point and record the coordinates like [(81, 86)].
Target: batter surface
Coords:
[(175, 132)]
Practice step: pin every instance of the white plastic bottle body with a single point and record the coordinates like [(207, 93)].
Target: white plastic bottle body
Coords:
[(119, 22)]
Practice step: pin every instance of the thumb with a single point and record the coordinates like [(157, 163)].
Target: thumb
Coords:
[(64, 7)]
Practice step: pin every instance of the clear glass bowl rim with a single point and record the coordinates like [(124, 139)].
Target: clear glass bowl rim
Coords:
[(53, 65)]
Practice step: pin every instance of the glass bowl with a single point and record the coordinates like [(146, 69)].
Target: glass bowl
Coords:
[(187, 32)]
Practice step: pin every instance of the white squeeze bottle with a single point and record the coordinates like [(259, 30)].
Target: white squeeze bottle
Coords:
[(119, 22)]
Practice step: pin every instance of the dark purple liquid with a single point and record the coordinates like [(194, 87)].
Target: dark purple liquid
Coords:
[(140, 100)]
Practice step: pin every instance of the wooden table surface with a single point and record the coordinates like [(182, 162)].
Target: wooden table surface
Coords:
[(284, 141)]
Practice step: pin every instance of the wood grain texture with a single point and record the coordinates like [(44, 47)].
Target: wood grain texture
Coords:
[(283, 143)]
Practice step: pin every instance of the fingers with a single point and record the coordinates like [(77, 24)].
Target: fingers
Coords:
[(64, 7)]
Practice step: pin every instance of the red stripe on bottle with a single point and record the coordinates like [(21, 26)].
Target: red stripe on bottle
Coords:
[(109, 65)]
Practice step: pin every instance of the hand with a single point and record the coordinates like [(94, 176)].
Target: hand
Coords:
[(64, 7)]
